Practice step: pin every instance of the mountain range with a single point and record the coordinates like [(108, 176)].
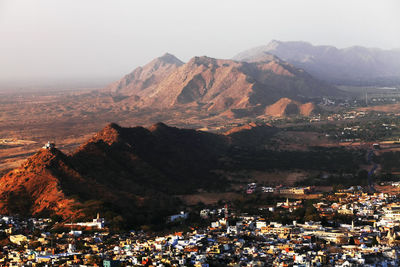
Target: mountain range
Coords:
[(217, 87), (349, 66)]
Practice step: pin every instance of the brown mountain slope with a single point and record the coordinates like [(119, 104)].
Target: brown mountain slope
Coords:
[(118, 171), (244, 127), (36, 187), (285, 106), (206, 82), (147, 76), (217, 86)]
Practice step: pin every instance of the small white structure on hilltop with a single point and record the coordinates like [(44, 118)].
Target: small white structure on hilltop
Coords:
[(49, 145), (96, 223)]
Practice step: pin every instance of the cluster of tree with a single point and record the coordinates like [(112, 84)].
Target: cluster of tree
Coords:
[(390, 161), (371, 128), (323, 159), (342, 180)]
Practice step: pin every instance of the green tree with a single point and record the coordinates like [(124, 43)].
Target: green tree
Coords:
[(311, 214)]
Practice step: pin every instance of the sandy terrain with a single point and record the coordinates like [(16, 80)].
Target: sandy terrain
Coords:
[(390, 108)]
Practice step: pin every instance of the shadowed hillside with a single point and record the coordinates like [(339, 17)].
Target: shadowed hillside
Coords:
[(131, 175)]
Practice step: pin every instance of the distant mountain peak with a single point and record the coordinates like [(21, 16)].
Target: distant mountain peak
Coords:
[(166, 59), (354, 65), (146, 76), (273, 44), (202, 60), (170, 59)]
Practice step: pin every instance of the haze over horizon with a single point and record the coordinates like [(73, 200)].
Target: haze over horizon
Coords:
[(91, 43)]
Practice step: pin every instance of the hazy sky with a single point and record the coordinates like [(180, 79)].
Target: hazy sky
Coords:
[(48, 40)]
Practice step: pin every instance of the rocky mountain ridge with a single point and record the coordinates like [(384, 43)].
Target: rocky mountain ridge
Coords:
[(218, 87), (355, 65)]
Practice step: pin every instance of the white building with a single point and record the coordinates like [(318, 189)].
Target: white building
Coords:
[(96, 223), (49, 145), (391, 213)]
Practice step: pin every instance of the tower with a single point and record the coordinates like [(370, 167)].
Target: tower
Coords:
[(226, 215)]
